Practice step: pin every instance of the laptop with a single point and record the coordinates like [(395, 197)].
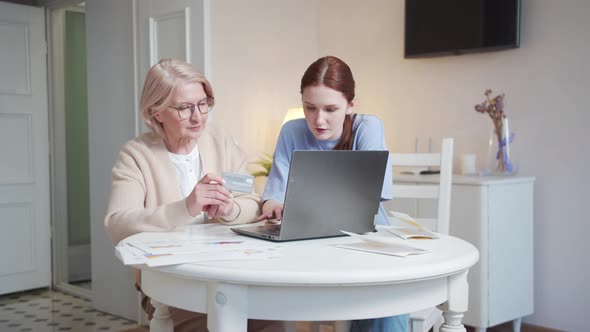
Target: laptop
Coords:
[(327, 191)]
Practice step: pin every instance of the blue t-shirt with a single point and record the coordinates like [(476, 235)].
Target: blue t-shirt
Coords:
[(295, 135)]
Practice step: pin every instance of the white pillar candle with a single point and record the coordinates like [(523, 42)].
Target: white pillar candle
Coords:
[(468, 164), (506, 136)]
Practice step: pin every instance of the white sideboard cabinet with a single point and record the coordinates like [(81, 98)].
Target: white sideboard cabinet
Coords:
[(495, 214)]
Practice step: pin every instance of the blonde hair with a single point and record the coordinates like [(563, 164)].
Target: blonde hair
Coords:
[(159, 83)]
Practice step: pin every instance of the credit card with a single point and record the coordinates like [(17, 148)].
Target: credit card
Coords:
[(239, 182)]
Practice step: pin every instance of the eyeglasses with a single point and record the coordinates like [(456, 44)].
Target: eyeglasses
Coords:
[(187, 110)]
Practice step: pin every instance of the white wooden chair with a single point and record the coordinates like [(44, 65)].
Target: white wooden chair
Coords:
[(421, 321)]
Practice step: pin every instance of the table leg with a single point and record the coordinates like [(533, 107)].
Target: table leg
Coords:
[(161, 321), (227, 307), (456, 305), (516, 325)]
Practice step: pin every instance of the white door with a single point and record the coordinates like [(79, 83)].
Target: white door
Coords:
[(25, 252), (119, 54), (172, 29)]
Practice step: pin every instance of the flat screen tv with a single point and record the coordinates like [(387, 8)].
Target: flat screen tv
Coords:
[(443, 27)]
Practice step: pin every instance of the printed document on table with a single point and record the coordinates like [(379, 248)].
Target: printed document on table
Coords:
[(129, 255), (193, 239), (381, 245), (413, 230), (412, 233), (234, 255), (203, 243)]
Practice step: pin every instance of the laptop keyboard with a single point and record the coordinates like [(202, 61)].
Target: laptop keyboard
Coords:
[(273, 230)]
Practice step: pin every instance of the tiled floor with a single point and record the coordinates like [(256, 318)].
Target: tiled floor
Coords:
[(82, 284), (48, 311)]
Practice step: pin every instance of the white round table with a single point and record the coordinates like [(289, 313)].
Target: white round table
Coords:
[(315, 281)]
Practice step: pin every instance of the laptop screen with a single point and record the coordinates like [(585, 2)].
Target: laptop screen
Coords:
[(329, 191)]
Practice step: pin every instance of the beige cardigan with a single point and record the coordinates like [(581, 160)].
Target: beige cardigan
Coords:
[(144, 195)]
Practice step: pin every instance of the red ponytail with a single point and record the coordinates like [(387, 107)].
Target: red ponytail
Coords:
[(347, 137)]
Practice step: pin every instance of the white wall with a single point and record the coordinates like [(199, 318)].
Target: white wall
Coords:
[(261, 48)]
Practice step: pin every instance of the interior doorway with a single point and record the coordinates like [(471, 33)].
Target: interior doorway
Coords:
[(69, 146)]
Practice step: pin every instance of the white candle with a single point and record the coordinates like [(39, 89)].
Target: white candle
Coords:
[(506, 137), (468, 164)]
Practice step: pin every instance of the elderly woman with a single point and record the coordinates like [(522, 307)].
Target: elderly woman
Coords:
[(170, 176)]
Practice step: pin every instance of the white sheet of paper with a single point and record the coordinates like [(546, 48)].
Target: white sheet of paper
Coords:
[(405, 218), (412, 233), (237, 255), (219, 244), (385, 249), (129, 256), (381, 245)]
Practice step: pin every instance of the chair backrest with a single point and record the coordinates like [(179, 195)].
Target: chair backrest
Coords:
[(442, 191)]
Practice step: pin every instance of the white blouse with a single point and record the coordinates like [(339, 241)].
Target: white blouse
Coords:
[(188, 171)]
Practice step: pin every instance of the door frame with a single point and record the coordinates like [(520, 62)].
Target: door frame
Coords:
[(55, 26)]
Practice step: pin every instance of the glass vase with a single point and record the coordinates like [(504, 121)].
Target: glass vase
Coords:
[(499, 158)]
